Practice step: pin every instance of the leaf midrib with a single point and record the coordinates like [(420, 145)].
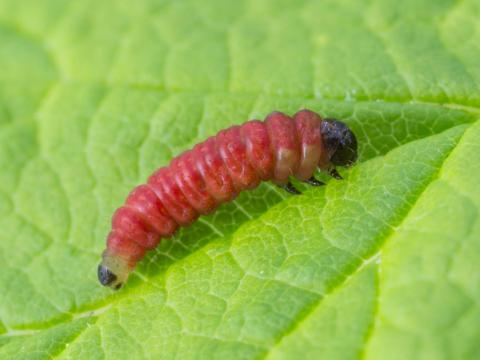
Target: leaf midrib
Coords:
[(376, 253)]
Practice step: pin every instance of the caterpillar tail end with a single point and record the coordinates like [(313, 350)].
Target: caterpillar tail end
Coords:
[(113, 271)]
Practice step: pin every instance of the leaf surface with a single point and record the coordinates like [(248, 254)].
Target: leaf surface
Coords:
[(95, 95)]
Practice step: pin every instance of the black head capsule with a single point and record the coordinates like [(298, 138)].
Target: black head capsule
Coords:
[(340, 142)]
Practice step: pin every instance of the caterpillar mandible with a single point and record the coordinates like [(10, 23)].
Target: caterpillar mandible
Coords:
[(214, 172)]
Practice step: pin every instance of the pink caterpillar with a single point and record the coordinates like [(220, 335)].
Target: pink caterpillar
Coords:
[(214, 172)]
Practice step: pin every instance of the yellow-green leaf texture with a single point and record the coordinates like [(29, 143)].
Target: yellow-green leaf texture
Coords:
[(95, 95)]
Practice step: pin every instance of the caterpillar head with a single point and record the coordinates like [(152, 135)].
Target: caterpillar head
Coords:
[(113, 271), (340, 142)]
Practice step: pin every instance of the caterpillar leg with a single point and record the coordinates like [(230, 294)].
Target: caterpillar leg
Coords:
[(290, 188), (314, 182), (334, 173)]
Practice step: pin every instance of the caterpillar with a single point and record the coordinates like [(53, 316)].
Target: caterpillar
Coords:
[(214, 172)]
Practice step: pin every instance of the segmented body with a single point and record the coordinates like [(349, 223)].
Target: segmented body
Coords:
[(214, 172)]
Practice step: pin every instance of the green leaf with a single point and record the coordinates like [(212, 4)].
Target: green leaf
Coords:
[(95, 95)]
